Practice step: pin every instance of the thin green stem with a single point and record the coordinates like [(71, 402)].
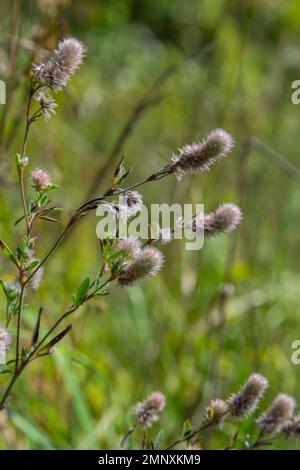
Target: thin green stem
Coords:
[(20, 166), (19, 370), (50, 252), (19, 322)]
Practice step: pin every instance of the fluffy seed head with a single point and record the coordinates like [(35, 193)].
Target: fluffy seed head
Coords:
[(37, 279), (292, 427), (224, 219), (58, 70), (130, 247), (130, 204), (47, 104), (40, 179), (5, 343), (202, 155), (147, 412), (246, 400), (146, 264), (277, 415), (216, 412)]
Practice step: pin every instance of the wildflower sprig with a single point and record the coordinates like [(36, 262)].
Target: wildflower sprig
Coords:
[(124, 262)]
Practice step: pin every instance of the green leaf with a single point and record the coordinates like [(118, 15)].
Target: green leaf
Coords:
[(82, 291), (158, 439), (5, 370), (7, 251), (33, 265), (187, 427)]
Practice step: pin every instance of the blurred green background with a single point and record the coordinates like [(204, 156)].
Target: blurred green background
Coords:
[(231, 64)]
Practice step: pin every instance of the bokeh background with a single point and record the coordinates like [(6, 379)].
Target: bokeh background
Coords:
[(169, 70)]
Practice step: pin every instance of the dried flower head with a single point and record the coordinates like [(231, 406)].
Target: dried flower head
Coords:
[(58, 70), (292, 427), (202, 155), (146, 264), (47, 104), (277, 415), (147, 412), (5, 343), (40, 179), (246, 400), (130, 247), (224, 219), (216, 412)]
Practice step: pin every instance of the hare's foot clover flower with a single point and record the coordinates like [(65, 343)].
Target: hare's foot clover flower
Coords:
[(277, 415), (58, 70), (246, 400), (202, 155), (216, 412), (147, 412), (130, 247), (40, 179), (226, 218), (147, 263)]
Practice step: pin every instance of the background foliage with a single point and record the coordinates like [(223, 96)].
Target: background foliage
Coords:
[(234, 63)]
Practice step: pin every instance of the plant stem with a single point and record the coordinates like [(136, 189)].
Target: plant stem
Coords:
[(189, 435), (50, 252), (19, 326), (19, 370), (20, 166)]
